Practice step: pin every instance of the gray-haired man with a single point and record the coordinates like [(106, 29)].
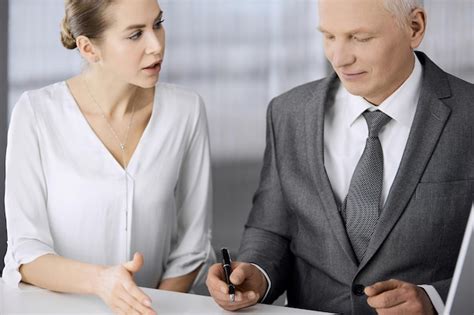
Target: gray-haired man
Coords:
[(368, 175)]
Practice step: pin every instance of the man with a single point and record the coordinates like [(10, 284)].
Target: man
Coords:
[(368, 175)]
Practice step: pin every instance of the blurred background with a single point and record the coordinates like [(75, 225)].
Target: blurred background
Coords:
[(236, 54)]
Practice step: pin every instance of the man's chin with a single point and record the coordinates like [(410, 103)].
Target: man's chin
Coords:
[(355, 89)]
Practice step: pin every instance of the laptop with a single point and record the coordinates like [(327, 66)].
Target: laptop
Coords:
[(461, 292)]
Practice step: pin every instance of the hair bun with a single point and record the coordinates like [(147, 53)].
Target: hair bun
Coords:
[(67, 38)]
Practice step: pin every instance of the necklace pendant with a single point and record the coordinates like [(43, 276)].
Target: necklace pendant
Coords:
[(122, 146)]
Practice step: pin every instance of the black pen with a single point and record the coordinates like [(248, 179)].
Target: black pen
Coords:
[(226, 265)]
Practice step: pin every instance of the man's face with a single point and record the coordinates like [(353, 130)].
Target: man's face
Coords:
[(370, 52)]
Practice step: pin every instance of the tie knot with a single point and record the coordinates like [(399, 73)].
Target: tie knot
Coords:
[(375, 121)]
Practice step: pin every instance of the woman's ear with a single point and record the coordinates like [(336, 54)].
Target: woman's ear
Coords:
[(88, 50)]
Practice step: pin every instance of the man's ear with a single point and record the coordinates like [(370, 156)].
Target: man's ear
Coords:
[(417, 27), (88, 50)]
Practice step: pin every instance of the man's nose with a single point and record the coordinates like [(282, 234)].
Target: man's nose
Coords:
[(342, 55)]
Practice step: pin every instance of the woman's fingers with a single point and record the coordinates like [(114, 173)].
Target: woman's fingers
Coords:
[(119, 291), (137, 293), (135, 264), (121, 307), (135, 303)]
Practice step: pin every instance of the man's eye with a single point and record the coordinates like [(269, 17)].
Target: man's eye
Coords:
[(362, 39), (136, 35)]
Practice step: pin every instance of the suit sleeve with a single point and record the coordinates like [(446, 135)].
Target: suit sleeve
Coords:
[(436, 300), (266, 237), (442, 287)]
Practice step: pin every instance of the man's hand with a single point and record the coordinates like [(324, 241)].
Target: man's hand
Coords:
[(398, 297), (249, 281)]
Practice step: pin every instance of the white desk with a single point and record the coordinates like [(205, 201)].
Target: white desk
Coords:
[(32, 300)]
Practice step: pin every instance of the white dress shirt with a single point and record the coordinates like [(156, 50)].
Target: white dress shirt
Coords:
[(66, 194), (345, 135), (346, 131)]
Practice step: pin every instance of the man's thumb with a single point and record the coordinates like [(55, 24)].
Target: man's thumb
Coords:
[(136, 264), (239, 274)]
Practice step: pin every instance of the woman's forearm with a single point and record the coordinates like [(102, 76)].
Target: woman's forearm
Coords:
[(180, 284), (60, 274)]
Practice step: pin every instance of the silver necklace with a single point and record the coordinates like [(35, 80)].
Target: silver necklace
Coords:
[(122, 145)]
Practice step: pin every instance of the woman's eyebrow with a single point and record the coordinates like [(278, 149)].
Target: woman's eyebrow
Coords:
[(135, 26)]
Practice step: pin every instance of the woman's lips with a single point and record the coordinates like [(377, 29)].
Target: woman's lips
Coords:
[(153, 69)]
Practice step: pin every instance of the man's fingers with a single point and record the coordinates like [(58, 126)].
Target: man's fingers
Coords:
[(215, 272), (242, 300), (241, 276), (215, 279), (382, 286), (387, 299), (240, 273)]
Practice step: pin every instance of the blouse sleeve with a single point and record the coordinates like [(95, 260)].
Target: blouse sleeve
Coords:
[(192, 246), (25, 194)]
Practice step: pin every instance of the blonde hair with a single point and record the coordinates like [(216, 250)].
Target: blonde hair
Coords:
[(83, 17), (401, 9)]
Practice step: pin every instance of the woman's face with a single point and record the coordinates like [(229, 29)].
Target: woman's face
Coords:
[(133, 46)]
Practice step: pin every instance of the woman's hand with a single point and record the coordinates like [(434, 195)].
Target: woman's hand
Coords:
[(116, 287)]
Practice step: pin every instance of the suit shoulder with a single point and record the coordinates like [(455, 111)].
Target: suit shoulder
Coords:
[(297, 97), (460, 86)]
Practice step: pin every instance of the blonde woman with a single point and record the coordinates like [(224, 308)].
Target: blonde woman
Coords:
[(108, 182)]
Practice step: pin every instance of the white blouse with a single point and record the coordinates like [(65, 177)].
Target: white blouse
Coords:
[(66, 194)]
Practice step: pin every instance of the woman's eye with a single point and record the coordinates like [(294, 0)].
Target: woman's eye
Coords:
[(158, 24), (136, 35)]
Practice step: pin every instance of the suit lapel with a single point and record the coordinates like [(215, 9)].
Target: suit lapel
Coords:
[(428, 124), (314, 130)]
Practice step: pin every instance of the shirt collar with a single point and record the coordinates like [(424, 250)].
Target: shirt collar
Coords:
[(400, 106)]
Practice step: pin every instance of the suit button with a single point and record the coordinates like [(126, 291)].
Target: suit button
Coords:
[(358, 289)]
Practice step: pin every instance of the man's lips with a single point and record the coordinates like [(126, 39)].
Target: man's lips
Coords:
[(352, 75)]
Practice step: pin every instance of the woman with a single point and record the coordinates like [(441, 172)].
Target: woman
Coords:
[(107, 164)]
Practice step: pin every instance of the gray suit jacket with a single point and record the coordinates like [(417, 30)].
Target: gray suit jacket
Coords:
[(296, 234)]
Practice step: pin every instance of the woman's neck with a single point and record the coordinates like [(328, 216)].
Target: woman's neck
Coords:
[(115, 98)]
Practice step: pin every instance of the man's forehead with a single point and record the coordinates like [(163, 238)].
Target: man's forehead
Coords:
[(356, 2), (353, 15), (352, 7)]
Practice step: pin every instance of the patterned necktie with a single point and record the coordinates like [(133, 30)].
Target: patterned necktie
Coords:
[(362, 203)]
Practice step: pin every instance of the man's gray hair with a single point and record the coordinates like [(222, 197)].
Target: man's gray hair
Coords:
[(401, 9)]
